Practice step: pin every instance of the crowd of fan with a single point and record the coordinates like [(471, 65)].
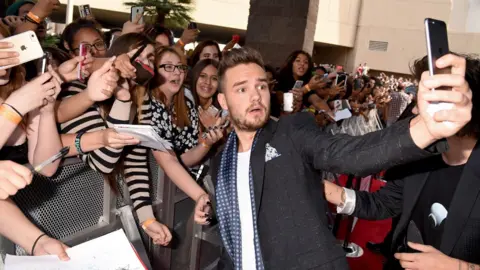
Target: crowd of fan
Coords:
[(42, 113)]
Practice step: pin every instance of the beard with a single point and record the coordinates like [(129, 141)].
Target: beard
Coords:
[(242, 123)]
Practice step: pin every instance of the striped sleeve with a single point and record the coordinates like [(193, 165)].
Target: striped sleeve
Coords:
[(137, 174), (102, 159)]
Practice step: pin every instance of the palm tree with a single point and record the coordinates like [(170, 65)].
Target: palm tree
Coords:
[(167, 13)]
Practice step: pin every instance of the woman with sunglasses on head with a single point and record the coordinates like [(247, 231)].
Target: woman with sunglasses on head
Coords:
[(176, 120)]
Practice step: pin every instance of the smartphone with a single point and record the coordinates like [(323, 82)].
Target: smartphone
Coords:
[(85, 11), (437, 45), (144, 73), (298, 84), (192, 25), (82, 52), (134, 11), (43, 63), (340, 78), (26, 45)]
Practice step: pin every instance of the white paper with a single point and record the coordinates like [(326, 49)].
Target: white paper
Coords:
[(146, 134), (109, 252), (342, 114)]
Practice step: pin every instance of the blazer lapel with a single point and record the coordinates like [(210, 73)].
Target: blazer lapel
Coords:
[(463, 201), (415, 186), (257, 161)]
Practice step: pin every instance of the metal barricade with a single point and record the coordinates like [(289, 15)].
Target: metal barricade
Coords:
[(75, 205)]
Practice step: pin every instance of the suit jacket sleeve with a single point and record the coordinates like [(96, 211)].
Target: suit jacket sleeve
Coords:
[(357, 155), (383, 204)]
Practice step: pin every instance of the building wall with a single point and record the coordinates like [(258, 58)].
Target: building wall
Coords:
[(400, 23)]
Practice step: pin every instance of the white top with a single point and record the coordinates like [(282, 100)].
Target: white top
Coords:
[(246, 212)]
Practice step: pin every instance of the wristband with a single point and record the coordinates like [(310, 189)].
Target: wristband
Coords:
[(77, 142), (34, 17), (204, 144), (307, 89), (181, 43), (10, 113), (35, 243), (13, 108), (147, 223)]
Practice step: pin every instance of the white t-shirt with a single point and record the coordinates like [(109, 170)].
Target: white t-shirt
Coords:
[(246, 212)]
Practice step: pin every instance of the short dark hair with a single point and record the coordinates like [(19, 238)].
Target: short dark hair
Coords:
[(237, 57), (472, 76)]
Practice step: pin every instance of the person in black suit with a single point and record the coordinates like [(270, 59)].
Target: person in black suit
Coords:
[(269, 198), (437, 199)]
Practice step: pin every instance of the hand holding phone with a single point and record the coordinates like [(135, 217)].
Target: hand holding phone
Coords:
[(24, 46), (192, 25), (136, 15), (437, 46)]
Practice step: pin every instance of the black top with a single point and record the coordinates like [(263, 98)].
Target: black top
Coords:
[(17, 153), (434, 201)]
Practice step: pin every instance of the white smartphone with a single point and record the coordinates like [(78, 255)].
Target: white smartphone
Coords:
[(134, 13), (26, 45), (298, 84)]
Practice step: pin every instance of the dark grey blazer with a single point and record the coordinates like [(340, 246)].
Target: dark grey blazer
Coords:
[(461, 235), (288, 190)]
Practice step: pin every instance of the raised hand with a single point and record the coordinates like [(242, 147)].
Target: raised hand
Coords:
[(68, 69), (103, 82), (450, 119), (34, 94), (7, 58), (57, 81), (133, 27)]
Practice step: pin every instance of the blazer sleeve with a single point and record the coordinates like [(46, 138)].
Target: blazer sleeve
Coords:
[(385, 203), (357, 155)]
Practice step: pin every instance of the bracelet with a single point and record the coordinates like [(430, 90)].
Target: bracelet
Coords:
[(147, 223), (34, 17), (35, 243), (13, 108), (77, 142), (9, 114), (181, 43), (30, 20)]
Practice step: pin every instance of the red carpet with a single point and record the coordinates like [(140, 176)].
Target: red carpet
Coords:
[(364, 232)]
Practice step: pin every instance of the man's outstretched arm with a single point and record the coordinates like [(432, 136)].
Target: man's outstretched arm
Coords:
[(399, 144)]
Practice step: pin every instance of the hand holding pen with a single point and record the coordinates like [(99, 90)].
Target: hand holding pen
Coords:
[(14, 177)]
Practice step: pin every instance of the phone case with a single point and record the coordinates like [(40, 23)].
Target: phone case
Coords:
[(144, 73), (134, 12), (26, 45)]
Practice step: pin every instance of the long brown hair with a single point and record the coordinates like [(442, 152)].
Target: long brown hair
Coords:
[(180, 118), (195, 74), (17, 74), (124, 44)]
